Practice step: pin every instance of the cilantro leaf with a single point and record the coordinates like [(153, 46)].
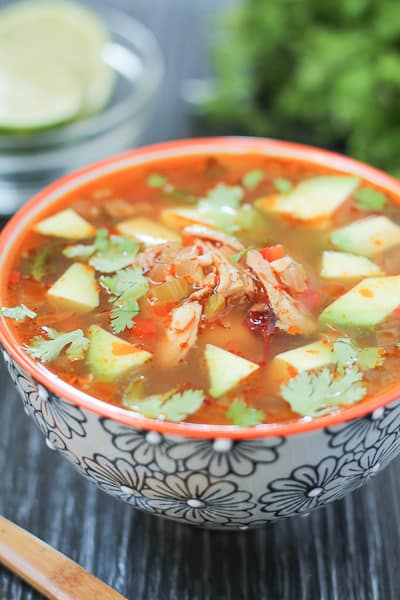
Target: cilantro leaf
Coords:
[(100, 244), (19, 313), (239, 255), (129, 282), (172, 406), (221, 206), (122, 315), (223, 196), (347, 353), (126, 286), (107, 254), (38, 265), (155, 180), (182, 404), (369, 199), (315, 394), (125, 243), (370, 358), (78, 251), (251, 179), (47, 350), (242, 415), (283, 185), (119, 254)]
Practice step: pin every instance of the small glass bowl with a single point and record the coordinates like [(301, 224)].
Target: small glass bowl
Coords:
[(29, 162)]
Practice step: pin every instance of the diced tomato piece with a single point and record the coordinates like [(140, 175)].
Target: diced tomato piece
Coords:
[(396, 313), (271, 253), (15, 277), (312, 298)]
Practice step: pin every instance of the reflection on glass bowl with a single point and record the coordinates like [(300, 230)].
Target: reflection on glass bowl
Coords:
[(29, 162)]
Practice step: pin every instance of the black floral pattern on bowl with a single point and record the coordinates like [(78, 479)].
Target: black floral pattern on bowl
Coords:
[(223, 456), (148, 448), (196, 499), (117, 477), (367, 431), (308, 487)]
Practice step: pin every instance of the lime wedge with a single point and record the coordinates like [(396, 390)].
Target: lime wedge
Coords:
[(51, 64)]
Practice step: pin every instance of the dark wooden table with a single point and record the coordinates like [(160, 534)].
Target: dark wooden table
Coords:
[(349, 551)]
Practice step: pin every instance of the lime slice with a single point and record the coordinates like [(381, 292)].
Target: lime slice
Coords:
[(51, 64)]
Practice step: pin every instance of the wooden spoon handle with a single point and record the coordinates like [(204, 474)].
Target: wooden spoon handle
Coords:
[(47, 570)]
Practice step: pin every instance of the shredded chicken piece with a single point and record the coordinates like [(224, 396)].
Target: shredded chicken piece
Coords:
[(207, 287), (232, 281), (180, 335), (291, 273), (291, 316), (206, 233), (160, 253)]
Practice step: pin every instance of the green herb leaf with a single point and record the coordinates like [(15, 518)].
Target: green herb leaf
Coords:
[(315, 394), (78, 251), (347, 353), (369, 199), (223, 196), (126, 286), (38, 265), (117, 256), (123, 314), (19, 313), (252, 179), (370, 358), (221, 206), (242, 415), (125, 243), (47, 350), (172, 406), (130, 282), (155, 180), (239, 255), (101, 242), (283, 185)]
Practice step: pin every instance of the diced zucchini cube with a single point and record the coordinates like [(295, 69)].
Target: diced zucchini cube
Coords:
[(225, 369), (312, 199), (365, 305), (342, 265), (66, 224), (76, 288), (147, 231), (367, 237), (110, 357)]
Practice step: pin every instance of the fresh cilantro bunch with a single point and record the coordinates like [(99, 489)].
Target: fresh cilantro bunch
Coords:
[(313, 71)]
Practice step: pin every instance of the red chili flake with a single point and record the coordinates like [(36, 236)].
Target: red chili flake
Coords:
[(15, 277)]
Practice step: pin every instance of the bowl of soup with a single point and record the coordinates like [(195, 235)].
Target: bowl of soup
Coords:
[(209, 329)]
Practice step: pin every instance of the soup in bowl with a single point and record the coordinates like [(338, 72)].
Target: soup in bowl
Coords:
[(210, 329)]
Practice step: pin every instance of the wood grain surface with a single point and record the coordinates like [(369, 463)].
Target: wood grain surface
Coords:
[(348, 551)]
